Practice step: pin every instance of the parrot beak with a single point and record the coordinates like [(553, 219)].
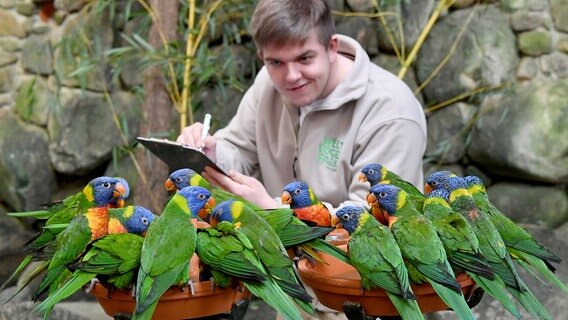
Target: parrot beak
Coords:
[(335, 222), (119, 191), (169, 184), (213, 222), (427, 188), (209, 205), (120, 203), (372, 200), (363, 178), (286, 198)]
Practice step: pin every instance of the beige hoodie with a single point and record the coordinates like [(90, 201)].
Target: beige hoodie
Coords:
[(371, 116)]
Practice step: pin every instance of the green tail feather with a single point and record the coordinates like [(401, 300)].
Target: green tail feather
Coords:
[(39, 214), (454, 300), (306, 306), (474, 263), (25, 281), (25, 262), (496, 288), (531, 304), (146, 314), (533, 264), (271, 293), (71, 286), (330, 249), (408, 309)]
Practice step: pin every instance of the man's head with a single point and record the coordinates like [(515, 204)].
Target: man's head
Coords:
[(297, 42), (282, 21)]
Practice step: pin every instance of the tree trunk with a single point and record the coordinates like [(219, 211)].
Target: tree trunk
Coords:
[(157, 111)]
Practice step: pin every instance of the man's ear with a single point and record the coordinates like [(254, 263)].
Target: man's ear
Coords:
[(333, 47), (259, 55)]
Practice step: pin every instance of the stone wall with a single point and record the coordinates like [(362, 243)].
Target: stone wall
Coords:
[(508, 58)]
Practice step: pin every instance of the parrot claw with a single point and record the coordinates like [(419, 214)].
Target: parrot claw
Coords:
[(133, 291), (212, 285), (92, 285), (190, 284)]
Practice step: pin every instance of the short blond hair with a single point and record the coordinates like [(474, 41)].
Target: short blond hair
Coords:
[(283, 21)]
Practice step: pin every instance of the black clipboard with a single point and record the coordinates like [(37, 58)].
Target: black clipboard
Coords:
[(177, 156)]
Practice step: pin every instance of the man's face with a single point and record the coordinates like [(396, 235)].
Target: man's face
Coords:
[(300, 70)]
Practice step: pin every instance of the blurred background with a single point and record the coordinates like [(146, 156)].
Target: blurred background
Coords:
[(79, 80)]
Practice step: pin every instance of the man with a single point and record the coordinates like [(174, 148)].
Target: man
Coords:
[(318, 111)]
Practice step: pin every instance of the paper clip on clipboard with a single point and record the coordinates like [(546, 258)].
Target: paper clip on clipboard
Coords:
[(178, 156)]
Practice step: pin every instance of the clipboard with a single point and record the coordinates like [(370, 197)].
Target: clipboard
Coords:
[(178, 156)]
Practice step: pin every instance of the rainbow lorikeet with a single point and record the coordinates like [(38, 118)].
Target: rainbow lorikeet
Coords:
[(376, 256), (307, 207), (130, 219), (421, 248), (490, 242), (267, 245), (167, 249), (462, 247), (83, 228), (231, 255), (520, 243)]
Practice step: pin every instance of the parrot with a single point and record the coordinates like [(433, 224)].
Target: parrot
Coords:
[(267, 245), (131, 219), (421, 248), (228, 252), (377, 258), (462, 247), (521, 245), (83, 228), (114, 257), (60, 213), (490, 242), (168, 247), (374, 173), (291, 231), (301, 198)]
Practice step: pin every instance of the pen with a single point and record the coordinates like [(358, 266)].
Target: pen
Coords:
[(205, 130)]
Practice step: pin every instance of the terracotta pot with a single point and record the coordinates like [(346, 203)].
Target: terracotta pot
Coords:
[(336, 282), (174, 303)]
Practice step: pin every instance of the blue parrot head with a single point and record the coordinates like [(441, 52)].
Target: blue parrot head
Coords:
[(199, 200), (373, 173), (223, 212), (438, 180), (387, 196), (296, 194), (103, 190), (139, 221), (349, 217), (179, 179)]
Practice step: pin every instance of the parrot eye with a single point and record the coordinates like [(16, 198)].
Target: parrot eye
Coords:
[(201, 196), (345, 217), (106, 185), (382, 194), (434, 183), (298, 191), (371, 171), (144, 220), (178, 179)]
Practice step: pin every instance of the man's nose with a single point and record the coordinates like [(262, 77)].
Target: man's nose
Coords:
[(293, 73)]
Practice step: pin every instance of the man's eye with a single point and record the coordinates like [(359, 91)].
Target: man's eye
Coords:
[(275, 63)]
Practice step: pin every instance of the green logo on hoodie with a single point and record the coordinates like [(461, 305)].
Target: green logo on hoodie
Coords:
[(328, 153)]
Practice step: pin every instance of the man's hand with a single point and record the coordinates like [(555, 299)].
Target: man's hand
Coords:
[(244, 186), (191, 137)]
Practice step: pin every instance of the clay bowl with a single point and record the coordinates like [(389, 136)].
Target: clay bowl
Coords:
[(336, 282), (174, 303)]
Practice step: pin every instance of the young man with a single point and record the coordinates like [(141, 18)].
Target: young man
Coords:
[(318, 111)]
